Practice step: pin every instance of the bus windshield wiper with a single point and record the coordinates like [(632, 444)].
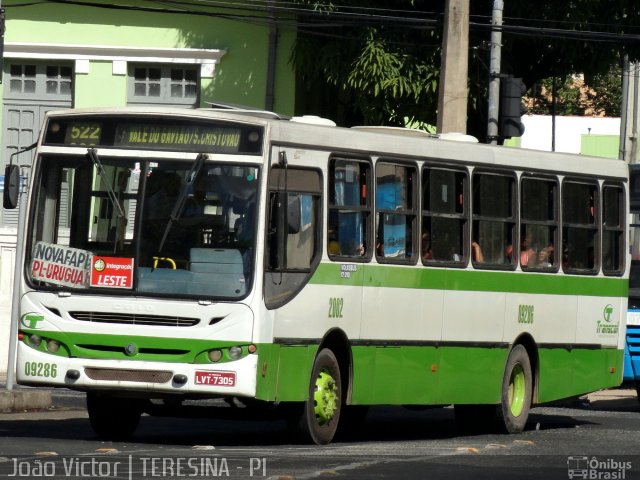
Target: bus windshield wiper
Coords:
[(93, 156), (178, 206)]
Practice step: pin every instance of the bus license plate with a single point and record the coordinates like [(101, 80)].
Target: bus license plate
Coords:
[(216, 379)]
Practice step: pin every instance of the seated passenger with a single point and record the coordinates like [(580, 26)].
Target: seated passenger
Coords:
[(476, 253), (425, 246)]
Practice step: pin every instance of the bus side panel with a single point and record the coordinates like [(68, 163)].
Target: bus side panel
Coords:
[(284, 372), (599, 368), (471, 375), (566, 373), (427, 375), (556, 374), (395, 375), (267, 372)]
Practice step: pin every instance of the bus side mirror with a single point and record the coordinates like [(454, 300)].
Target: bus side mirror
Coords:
[(11, 187), (293, 214)]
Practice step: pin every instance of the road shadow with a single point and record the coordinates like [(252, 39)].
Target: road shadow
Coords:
[(620, 399), (381, 424)]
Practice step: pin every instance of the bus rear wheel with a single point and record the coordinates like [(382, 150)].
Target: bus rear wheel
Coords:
[(517, 386), (113, 418), (321, 412)]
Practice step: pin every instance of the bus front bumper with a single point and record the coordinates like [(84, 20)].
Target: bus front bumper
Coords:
[(235, 378)]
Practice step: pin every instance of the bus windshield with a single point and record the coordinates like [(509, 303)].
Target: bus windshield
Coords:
[(148, 226)]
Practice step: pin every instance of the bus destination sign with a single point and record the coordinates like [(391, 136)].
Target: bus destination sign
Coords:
[(158, 132), (83, 133), (172, 137)]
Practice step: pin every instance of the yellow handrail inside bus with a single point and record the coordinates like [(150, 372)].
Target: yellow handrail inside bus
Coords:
[(170, 261)]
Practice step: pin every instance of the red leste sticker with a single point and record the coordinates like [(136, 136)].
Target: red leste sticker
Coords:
[(114, 272)]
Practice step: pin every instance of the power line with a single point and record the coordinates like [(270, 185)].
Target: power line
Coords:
[(293, 15)]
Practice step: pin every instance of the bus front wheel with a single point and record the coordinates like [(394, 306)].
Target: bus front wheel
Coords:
[(321, 412), (113, 418), (516, 390)]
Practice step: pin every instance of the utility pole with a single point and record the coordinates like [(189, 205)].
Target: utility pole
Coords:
[(452, 91), (494, 72), (2, 28), (628, 151), (624, 111)]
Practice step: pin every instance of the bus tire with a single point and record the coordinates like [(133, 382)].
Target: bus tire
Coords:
[(517, 386), (321, 412), (113, 418)]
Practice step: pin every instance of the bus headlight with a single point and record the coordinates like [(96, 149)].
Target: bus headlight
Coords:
[(35, 340), (215, 355), (53, 346), (235, 352)]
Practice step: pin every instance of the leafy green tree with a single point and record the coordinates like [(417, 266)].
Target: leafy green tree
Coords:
[(363, 63), (368, 73)]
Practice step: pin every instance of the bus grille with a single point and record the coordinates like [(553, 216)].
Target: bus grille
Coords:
[(121, 375), (135, 319), (633, 340)]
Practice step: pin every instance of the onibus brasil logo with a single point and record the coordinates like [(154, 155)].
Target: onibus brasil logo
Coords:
[(606, 325)]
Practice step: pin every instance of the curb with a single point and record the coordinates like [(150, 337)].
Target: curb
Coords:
[(20, 400)]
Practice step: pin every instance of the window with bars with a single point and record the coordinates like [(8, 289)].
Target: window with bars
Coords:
[(39, 80), (164, 85)]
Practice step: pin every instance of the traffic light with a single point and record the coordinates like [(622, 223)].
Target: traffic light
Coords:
[(511, 108)]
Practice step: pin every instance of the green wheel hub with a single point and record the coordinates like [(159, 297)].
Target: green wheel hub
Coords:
[(325, 398), (517, 390)]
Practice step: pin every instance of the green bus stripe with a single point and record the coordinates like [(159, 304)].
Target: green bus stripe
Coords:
[(107, 346), (371, 275)]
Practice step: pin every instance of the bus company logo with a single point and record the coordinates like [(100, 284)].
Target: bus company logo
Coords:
[(594, 468), (99, 265), (31, 320), (606, 325)]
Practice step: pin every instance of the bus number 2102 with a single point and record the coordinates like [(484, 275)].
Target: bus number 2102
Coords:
[(335, 307)]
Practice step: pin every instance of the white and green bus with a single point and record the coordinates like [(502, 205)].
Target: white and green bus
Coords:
[(172, 255)]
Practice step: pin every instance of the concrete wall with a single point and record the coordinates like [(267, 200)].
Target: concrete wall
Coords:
[(568, 131)]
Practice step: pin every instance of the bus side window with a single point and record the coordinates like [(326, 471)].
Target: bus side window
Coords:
[(579, 227), (613, 228), (349, 213), (395, 212), (538, 224), (494, 218), (444, 216)]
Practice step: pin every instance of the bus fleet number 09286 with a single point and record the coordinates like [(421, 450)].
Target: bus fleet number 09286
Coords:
[(40, 369)]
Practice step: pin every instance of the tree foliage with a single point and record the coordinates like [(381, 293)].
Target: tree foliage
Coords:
[(383, 67)]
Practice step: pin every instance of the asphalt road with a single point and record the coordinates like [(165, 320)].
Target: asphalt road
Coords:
[(598, 437)]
